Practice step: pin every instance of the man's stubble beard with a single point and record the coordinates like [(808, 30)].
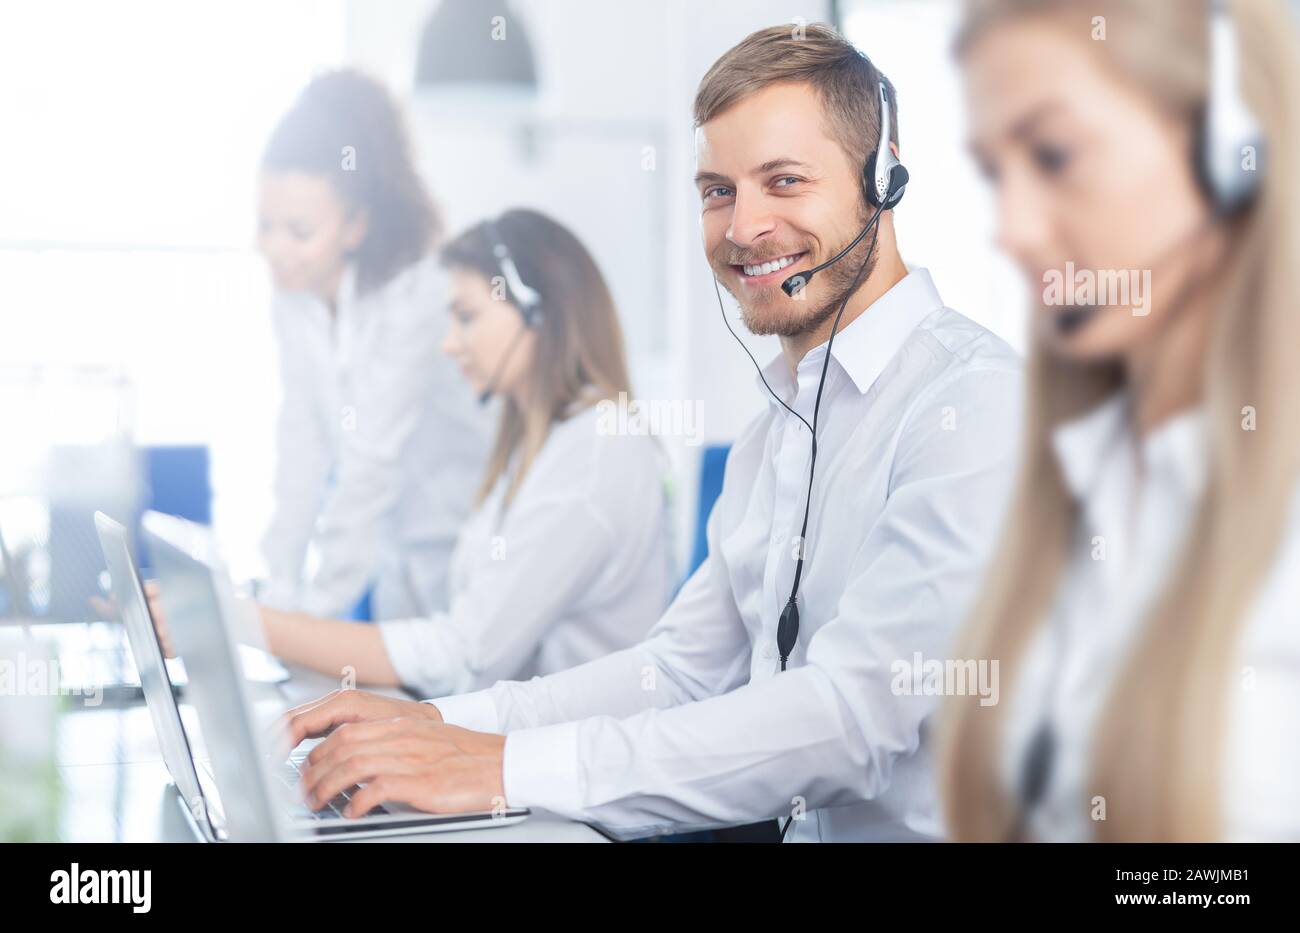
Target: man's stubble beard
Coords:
[(773, 313)]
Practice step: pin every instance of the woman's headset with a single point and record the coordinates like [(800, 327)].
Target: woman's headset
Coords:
[(525, 298), (521, 295), (1228, 128)]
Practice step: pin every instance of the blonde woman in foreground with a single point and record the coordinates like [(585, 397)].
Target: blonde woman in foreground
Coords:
[(1144, 605)]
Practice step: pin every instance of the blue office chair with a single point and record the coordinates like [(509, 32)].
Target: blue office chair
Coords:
[(713, 465), (362, 612), (177, 480)]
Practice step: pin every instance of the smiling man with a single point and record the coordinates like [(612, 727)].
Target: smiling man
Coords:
[(714, 719)]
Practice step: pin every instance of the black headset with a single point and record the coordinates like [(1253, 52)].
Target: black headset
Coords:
[(884, 179)]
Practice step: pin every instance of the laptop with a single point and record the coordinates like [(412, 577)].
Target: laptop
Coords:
[(244, 791)]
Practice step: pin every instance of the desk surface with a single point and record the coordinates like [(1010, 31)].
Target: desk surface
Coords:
[(115, 786)]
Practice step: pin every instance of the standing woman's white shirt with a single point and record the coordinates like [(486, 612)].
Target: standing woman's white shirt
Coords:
[(578, 566), (379, 446), (1130, 524)]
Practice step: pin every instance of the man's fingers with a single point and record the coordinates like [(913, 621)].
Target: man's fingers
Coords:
[(351, 734), (366, 765), (312, 704), (386, 789), (319, 716), (371, 796), (324, 784), (317, 721)]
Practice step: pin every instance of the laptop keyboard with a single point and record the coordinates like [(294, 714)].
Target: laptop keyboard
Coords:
[(291, 773)]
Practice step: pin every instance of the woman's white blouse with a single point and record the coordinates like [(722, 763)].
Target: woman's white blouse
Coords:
[(578, 566), (380, 445), (1131, 525)]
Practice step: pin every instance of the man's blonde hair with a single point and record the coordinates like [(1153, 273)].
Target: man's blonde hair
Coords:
[(815, 54)]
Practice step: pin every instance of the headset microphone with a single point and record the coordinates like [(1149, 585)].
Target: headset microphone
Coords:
[(797, 282), (884, 179), (1068, 320), (1071, 319), (491, 388)]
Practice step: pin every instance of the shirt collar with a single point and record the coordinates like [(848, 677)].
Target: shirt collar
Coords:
[(1086, 445), (864, 347)]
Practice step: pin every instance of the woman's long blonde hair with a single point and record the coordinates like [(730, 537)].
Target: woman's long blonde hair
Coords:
[(1161, 737), (579, 358)]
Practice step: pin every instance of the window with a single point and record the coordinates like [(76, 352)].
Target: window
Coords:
[(132, 135)]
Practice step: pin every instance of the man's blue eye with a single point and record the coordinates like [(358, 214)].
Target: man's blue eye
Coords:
[(789, 178), (718, 191)]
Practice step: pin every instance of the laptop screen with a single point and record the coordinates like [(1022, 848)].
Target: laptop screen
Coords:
[(169, 726)]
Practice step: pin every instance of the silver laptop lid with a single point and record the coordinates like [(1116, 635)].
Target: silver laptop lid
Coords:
[(196, 598), (154, 680)]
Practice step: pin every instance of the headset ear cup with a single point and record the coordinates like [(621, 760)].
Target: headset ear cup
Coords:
[(869, 181), (1201, 157), (898, 180)]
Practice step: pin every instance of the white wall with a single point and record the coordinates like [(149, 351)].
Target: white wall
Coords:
[(126, 239), (945, 221)]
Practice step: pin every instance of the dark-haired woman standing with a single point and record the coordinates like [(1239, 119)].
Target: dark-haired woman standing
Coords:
[(379, 444)]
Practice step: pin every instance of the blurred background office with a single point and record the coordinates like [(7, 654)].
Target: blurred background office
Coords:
[(136, 311)]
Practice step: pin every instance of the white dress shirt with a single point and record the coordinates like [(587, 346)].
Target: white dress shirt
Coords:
[(1132, 522), (379, 448), (695, 726), (579, 566)]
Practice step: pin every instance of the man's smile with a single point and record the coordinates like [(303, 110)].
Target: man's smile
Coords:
[(768, 271)]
